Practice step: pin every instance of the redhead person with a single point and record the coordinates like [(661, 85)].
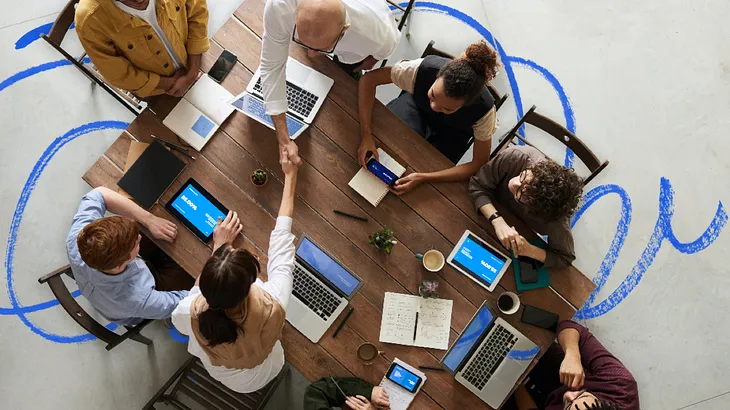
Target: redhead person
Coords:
[(235, 320), (445, 101)]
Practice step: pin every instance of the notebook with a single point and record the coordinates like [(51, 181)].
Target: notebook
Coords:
[(371, 187), (415, 321), (399, 397), (200, 112), (136, 148), (151, 174)]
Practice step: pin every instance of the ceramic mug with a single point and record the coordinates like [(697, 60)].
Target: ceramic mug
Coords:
[(368, 352), (508, 303), (433, 260)]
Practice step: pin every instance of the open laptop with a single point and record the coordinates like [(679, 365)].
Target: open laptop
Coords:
[(489, 356), (306, 90), (322, 289)]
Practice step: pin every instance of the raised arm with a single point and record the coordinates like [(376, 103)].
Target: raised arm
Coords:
[(365, 101), (120, 205)]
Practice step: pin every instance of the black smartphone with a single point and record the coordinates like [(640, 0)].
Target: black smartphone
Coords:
[(381, 171), (403, 377), (528, 270), (540, 318), (222, 66)]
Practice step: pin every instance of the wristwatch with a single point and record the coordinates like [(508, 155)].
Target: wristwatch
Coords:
[(494, 216)]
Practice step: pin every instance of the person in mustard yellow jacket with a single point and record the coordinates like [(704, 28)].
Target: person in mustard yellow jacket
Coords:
[(148, 47)]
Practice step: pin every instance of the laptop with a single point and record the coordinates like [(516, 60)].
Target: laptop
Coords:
[(306, 90), (322, 288), (489, 356)]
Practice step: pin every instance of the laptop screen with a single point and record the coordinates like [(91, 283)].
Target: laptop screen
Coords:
[(467, 339), (475, 257), (327, 267)]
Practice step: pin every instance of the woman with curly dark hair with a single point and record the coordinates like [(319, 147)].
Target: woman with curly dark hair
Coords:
[(540, 192), (445, 101)]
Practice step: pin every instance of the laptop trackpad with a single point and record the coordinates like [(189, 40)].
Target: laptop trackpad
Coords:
[(296, 311)]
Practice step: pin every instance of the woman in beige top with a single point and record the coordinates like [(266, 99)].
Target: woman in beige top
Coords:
[(445, 101)]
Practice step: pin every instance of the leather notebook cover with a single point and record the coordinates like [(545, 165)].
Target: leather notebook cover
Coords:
[(151, 174), (543, 279)]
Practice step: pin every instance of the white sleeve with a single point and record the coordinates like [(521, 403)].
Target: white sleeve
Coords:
[(278, 29), (181, 314), (281, 262)]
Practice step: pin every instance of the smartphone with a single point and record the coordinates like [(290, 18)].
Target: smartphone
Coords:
[(528, 270), (540, 318), (403, 377), (381, 171), (223, 66)]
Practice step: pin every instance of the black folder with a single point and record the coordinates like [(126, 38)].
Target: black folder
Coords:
[(151, 174)]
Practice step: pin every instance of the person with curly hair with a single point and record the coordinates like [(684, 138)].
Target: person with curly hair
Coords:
[(537, 190), (446, 101)]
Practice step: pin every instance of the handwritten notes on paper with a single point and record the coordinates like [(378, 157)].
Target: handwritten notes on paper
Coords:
[(415, 321)]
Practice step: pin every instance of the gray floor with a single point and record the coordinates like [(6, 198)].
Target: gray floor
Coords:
[(644, 84)]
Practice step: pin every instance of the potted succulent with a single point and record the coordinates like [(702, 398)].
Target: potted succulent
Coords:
[(383, 240), (259, 177), (429, 289)]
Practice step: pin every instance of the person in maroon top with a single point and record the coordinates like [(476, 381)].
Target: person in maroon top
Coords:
[(589, 376)]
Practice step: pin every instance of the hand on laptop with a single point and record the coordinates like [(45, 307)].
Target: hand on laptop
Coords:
[(160, 228), (227, 230)]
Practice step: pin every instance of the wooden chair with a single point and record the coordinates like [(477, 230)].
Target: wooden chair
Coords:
[(55, 37), (561, 134), (430, 50), (406, 12), (194, 382), (74, 310)]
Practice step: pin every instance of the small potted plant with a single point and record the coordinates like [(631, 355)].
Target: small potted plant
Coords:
[(429, 289), (383, 240), (259, 177)]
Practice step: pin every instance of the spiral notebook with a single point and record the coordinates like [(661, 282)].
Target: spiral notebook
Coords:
[(400, 398), (371, 187)]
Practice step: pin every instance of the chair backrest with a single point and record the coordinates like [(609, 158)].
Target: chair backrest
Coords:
[(560, 133), (63, 22), (430, 50), (406, 11)]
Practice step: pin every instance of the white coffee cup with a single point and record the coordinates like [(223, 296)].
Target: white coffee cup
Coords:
[(433, 260), (508, 303)]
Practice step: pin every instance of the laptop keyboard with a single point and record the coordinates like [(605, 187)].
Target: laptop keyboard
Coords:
[(489, 356), (313, 294), (256, 107), (300, 100)]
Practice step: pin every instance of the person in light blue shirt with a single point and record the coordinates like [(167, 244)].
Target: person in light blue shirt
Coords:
[(104, 253)]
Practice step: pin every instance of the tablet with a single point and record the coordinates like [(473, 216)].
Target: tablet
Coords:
[(479, 261), (196, 209)]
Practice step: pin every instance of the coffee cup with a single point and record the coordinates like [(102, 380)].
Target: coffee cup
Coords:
[(368, 352), (508, 303), (433, 260)]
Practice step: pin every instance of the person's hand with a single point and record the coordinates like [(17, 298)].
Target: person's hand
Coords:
[(289, 152), (182, 83), (521, 246), (571, 371), (161, 228), (226, 231), (379, 398), (367, 64), (289, 168), (359, 403), (367, 146), (407, 183), (506, 234)]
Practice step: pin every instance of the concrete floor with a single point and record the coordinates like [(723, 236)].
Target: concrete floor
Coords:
[(646, 85)]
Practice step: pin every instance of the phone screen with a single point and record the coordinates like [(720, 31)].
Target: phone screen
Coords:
[(403, 377), (381, 171), (223, 66)]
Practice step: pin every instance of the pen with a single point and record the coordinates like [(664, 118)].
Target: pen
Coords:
[(430, 368), (415, 328), (338, 386), (347, 316), (174, 147), (359, 218)]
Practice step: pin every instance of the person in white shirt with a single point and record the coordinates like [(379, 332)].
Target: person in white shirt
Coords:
[(235, 320), (356, 31)]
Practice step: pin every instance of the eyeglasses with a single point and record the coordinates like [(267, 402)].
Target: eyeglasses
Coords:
[(331, 51), (570, 403), (523, 186)]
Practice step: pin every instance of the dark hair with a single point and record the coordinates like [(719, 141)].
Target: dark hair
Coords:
[(553, 193), (107, 242), (598, 405), (464, 77), (225, 282)]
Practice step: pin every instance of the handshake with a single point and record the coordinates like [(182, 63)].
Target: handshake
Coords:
[(289, 157)]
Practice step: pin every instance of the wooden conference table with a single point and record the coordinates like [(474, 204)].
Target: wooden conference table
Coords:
[(431, 216)]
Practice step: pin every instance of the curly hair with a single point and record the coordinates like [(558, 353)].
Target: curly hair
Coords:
[(599, 405), (464, 77), (553, 193)]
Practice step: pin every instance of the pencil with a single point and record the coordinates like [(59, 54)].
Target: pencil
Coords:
[(347, 316), (430, 368), (359, 218)]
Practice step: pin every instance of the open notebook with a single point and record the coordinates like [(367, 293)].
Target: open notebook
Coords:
[(415, 321), (200, 112), (371, 187)]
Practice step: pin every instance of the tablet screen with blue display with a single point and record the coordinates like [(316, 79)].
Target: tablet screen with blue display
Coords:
[(478, 260), (197, 209)]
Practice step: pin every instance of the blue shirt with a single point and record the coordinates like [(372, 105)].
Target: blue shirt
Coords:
[(126, 298)]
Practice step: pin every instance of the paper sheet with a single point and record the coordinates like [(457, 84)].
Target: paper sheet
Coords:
[(371, 187), (399, 321), (399, 397)]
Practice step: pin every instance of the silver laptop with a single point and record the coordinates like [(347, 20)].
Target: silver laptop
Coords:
[(322, 289), (306, 90), (489, 356)]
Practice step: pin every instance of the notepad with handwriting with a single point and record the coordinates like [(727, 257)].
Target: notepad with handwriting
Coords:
[(415, 321), (371, 187), (200, 112)]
